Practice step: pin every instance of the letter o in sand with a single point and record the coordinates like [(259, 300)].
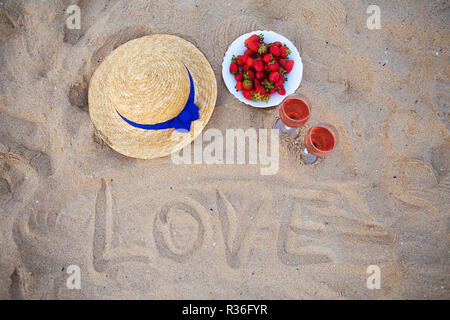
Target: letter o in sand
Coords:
[(179, 229)]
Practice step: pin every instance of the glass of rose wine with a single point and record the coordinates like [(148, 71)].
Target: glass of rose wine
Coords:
[(320, 141), (294, 112)]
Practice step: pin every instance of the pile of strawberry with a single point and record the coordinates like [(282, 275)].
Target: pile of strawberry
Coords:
[(261, 70)]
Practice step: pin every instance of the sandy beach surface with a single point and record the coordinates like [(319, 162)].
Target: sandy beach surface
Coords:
[(150, 229)]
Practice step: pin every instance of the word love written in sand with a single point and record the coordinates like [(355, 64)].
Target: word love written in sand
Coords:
[(183, 226)]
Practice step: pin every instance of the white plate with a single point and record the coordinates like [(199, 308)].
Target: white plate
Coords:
[(238, 48)]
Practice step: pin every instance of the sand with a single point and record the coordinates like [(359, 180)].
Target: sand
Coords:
[(153, 229)]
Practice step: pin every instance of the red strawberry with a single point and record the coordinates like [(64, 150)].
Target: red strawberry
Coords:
[(261, 90), (239, 86), (239, 76), (285, 48), (274, 66), (272, 90), (267, 58), (240, 60), (281, 91), (275, 51), (252, 38), (289, 65), (257, 83), (234, 68), (254, 46), (248, 85), (248, 52), (282, 77), (260, 75), (249, 62), (284, 51), (267, 84), (273, 77), (262, 49), (245, 68), (247, 94), (277, 43), (278, 84), (258, 65), (282, 63), (251, 74)]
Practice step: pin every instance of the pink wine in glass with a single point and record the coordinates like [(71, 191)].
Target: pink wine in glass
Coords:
[(320, 140), (294, 112)]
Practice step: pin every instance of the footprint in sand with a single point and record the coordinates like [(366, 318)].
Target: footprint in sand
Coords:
[(25, 139), (11, 20), (49, 240), (18, 182)]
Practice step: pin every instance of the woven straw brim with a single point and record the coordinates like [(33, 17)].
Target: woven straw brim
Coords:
[(148, 144)]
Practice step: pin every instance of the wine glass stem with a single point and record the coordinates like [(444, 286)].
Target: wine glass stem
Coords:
[(284, 129), (308, 157)]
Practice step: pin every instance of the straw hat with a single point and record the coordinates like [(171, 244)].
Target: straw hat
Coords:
[(144, 83)]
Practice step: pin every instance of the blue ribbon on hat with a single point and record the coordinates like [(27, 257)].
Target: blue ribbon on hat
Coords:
[(182, 122)]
